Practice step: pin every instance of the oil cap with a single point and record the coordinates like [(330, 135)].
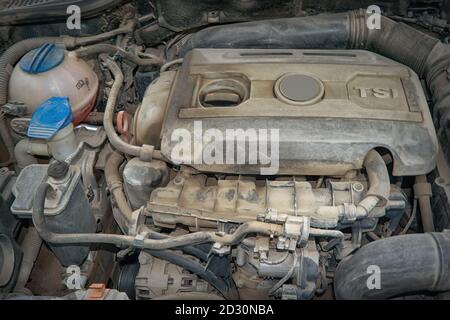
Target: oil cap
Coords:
[(50, 117), (42, 59), (299, 89)]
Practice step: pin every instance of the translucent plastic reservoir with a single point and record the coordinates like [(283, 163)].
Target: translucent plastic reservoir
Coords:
[(50, 71)]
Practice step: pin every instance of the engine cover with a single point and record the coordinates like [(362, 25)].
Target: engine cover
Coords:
[(329, 107)]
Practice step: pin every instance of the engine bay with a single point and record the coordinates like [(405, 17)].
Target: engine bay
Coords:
[(225, 152)]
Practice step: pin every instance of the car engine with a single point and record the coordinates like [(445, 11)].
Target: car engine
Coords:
[(249, 150)]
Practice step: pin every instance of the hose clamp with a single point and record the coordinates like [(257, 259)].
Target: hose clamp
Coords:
[(138, 241), (146, 153), (422, 189)]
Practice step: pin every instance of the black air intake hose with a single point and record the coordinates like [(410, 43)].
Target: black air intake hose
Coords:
[(408, 264), (325, 31)]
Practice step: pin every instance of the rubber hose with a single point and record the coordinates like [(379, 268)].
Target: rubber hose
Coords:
[(145, 152), (406, 264), (97, 49), (426, 212), (115, 185)]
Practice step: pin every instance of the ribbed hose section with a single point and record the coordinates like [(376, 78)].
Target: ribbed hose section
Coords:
[(358, 29), (402, 43), (405, 264)]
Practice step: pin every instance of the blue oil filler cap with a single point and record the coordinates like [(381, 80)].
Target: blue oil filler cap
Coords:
[(42, 59), (50, 117)]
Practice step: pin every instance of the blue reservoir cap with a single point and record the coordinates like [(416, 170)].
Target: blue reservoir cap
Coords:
[(50, 117), (42, 59)]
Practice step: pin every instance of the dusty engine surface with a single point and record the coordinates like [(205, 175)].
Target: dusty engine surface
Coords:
[(329, 108), (269, 159)]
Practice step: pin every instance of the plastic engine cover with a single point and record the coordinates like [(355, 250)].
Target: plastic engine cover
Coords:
[(329, 107)]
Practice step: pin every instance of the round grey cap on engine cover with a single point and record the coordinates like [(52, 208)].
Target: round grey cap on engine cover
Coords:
[(299, 89)]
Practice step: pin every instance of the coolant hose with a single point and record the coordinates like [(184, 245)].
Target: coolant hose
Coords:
[(189, 250), (423, 192), (379, 184), (115, 185), (377, 195), (123, 241), (411, 263), (99, 48), (145, 152)]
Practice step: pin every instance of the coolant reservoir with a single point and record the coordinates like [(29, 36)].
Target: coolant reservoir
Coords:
[(50, 71)]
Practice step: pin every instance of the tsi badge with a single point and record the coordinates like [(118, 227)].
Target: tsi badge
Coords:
[(374, 280), (381, 93)]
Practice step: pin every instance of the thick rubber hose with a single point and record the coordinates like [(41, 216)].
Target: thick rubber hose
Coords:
[(378, 176), (324, 31), (412, 263)]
